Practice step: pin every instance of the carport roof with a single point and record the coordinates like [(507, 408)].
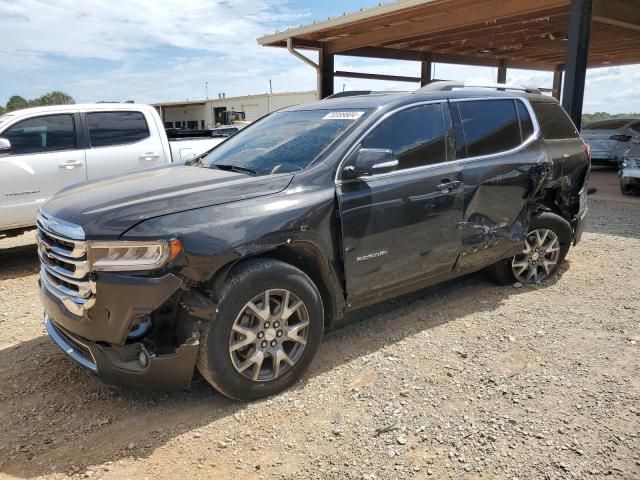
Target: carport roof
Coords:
[(518, 33)]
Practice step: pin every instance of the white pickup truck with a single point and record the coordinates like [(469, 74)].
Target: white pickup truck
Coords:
[(45, 149)]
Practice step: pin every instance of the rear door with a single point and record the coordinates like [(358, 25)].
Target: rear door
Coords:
[(45, 157), (403, 226), (121, 141), (502, 166)]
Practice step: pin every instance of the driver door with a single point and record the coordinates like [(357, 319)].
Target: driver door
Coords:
[(403, 226)]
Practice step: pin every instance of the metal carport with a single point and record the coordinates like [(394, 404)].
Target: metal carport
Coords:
[(564, 36)]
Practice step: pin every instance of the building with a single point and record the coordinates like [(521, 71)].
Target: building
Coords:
[(208, 113)]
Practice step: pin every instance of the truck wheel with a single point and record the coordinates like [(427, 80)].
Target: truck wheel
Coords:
[(266, 332), (545, 247), (625, 189)]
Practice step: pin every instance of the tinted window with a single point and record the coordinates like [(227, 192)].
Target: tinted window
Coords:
[(554, 122), (489, 126), (42, 134), (526, 125), (284, 141), (116, 128), (416, 136)]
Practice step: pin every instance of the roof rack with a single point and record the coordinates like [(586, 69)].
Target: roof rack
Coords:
[(446, 86), (359, 93)]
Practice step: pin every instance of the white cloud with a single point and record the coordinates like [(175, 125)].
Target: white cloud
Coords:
[(166, 50)]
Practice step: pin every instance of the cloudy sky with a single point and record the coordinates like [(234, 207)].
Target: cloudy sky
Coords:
[(152, 51)]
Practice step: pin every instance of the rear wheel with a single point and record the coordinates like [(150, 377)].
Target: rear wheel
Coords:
[(545, 246), (267, 331)]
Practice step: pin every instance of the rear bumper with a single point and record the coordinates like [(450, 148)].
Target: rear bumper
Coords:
[(121, 365)]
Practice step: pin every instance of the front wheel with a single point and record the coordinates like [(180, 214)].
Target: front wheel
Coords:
[(625, 189), (545, 246), (268, 328)]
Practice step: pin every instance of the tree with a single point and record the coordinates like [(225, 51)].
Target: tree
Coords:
[(2, 111), (16, 103), (55, 97)]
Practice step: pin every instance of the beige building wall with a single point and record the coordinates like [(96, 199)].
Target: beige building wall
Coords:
[(254, 107)]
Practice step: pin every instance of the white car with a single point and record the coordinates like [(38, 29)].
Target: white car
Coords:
[(45, 149), (630, 169), (608, 139)]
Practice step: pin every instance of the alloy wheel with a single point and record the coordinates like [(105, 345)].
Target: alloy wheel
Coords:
[(269, 335), (539, 257)]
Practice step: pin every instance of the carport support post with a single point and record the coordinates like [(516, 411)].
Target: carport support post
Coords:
[(577, 56), (502, 72), (426, 70), (557, 83), (327, 69)]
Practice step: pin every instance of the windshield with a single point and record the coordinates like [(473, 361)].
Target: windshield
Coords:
[(282, 142)]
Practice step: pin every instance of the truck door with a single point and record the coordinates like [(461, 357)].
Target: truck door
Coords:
[(122, 141), (403, 226), (45, 157)]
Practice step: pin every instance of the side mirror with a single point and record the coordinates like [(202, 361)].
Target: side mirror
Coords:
[(371, 161), (5, 147)]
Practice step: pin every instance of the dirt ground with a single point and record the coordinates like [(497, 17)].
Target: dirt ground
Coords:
[(462, 380)]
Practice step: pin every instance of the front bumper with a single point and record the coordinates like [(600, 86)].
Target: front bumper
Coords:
[(630, 175), (121, 366)]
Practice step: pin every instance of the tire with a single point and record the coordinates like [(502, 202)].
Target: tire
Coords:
[(504, 273), (250, 282), (625, 189)]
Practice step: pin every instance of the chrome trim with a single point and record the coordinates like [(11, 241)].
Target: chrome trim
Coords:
[(69, 298), (85, 288), (526, 143), (67, 347), (81, 267), (67, 230)]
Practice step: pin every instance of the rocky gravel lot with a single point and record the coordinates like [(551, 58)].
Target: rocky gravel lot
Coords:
[(462, 380)]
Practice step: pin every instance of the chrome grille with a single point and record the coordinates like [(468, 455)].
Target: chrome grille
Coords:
[(64, 267)]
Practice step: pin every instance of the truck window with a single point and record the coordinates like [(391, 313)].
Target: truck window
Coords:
[(416, 136), (489, 126), (48, 133), (116, 128), (554, 122)]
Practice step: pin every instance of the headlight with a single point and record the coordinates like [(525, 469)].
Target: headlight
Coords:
[(624, 162), (131, 255)]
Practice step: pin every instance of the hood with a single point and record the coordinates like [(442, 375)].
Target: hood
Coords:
[(109, 207)]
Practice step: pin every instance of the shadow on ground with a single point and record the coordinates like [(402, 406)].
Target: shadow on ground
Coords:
[(54, 414)]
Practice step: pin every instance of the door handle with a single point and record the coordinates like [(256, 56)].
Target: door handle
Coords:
[(71, 164), (447, 186), (148, 156)]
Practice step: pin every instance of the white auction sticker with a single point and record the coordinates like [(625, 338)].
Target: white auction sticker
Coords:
[(343, 116)]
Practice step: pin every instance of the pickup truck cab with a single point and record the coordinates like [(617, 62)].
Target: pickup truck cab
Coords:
[(45, 149), (236, 263)]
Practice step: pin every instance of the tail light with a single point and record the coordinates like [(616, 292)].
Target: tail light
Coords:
[(620, 138)]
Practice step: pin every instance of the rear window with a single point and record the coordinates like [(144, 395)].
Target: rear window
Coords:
[(116, 128), (488, 127), (554, 122)]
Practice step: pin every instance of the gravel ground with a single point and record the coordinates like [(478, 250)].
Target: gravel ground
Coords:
[(463, 380)]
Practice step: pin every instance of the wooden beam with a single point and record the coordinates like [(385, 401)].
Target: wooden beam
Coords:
[(326, 74), (620, 13), (482, 11), (376, 76), (502, 72), (557, 83)]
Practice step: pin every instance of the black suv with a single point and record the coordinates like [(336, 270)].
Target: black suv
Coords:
[(237, 263)]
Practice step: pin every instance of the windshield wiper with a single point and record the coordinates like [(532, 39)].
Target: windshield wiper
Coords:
[(235, 168)]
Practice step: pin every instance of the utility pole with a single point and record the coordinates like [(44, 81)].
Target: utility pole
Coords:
[(270, 87), (206, 89)]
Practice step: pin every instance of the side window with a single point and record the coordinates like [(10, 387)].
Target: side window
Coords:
[(49, 133), (554, 122), (489, 126), (116, 128), (526, 124), (416, 135)]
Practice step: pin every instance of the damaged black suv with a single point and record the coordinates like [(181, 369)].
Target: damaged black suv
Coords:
[(236, 263)]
